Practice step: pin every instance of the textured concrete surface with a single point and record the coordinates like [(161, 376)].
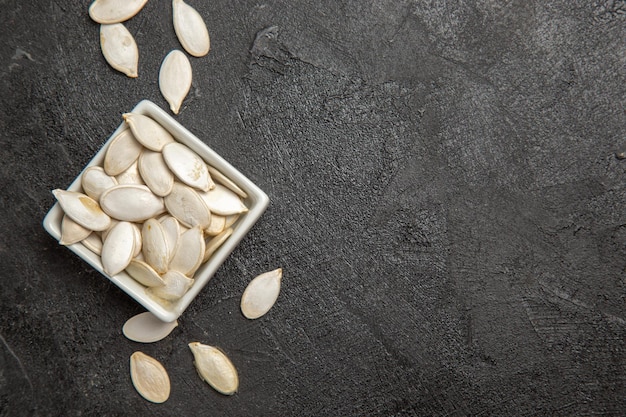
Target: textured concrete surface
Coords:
[(445, 201)]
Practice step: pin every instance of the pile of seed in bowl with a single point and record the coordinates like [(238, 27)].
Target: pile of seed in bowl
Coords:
[(155, 209)]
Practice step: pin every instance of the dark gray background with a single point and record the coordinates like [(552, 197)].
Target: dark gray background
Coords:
[(446, 203)]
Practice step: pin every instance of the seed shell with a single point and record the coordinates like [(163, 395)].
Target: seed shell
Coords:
[(155, 247), (144, 273), (189, 252), (149, 378), (176, 285), (72, 232), (220, 200), (187, 166), (114, 11), (119, 48), (131, 176), (175, 79), (261, 294), (95, 181), (190, 29), (185, 204), (214, 244), (83, 209), (118, 248), (121, 153), (133, 203), (93, 242), (226, 182), (147, 328), (215, 368), (147, 131)]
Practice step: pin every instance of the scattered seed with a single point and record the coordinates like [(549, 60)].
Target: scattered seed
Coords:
[(215, 368), (190, 29), (147, 328), (114, 11), (175, 79), (149, 378), (119, 48), (261, 294)]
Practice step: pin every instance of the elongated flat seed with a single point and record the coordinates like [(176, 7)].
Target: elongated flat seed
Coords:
[(95, 181), (83, 209), (230, 220), (122, 151), (215, 368), (175, 79), (189, 252), (187, 166), (147, 328), (214, 244), (131, 176), (190, 29), (155, 173), (185, 204), (217, 226), (171, 227), (114, 11), (144, 273), (155, 247), (105, 233), (147, 131), (261, 294), (119, 48), (176, 285), (118, 248), (72, 232), (138, 240), (133, 203), (93, 242), (149, 377), (226, 182), (220, 200)]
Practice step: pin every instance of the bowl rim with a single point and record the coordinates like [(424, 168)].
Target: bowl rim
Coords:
[(257, 203)]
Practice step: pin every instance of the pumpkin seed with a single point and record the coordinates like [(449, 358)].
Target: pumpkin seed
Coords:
[(171, 227), (226, 182), (119, 48), (131, 176), (214, 244), (215, 368), (72, 232), (138, 240), (189, 252), (155, 246), (155, 173), (217, 225), (133, 203), (190, 29), (95, 181), (149, 378), (220, 200), (147, 131), (147, 328), (83, 209), (185, 204), (187, 166), (118, 248), (114, 11), (175, 79), (261, 294), (93, 242), (143, 273), (176, 285), (121, 153), (230, 220)]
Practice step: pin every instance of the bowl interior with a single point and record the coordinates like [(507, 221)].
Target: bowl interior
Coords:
[(256, 202)]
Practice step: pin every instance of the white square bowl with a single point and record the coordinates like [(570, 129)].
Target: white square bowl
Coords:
[(256, 202)]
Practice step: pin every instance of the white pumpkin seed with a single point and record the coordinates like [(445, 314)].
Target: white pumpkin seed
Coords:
[(147, 328), (149, 377), (187, 166), (175, 79), (220, 200), (118, 248), (261, 294), (95, 181), (214, 244), (176, 285), (121, 153), (133, 203), (114, 11), (131, 176), (144, 273), (215, 368), (138, 240), (105, 233), (93, 242), (119, 48), (72, 232), (155, 246), (189, 252), (190, 29), (218, 224), (147, 131), (185, 204), (230, 220), (155, 173), (83, 209), (226, 182), (171, 227)]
